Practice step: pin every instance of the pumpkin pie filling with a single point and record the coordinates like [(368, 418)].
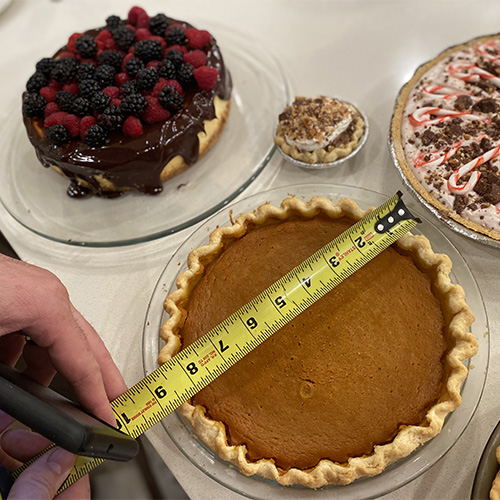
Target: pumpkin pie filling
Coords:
[(361, 378)]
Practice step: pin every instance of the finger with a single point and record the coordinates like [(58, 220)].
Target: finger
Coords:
[(113, 380), (77, 491), (38, 364), (42, 478), (5, 421), (22, 445), (11, 347)]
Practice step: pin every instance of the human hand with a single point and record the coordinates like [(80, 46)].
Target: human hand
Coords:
[(34, 302)]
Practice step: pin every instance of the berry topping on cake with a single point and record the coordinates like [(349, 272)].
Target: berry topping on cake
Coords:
[(170, 99), (86, 46), (58, 135), (132, 127), (206, 77), (158, 24), (95, 136), (147, 50)]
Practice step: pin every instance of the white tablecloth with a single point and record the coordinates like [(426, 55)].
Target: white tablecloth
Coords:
[(363, 50)]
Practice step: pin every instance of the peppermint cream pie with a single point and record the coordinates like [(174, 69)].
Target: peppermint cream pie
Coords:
[(361, 378), (446, 134), (128, 106), (319, 130)]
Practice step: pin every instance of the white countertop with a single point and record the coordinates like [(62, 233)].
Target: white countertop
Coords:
[(363, 50)]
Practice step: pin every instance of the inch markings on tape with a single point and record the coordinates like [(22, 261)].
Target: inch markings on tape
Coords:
[(193, 368)]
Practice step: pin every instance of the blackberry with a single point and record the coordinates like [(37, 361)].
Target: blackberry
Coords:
[(58, 135), (171, 99), (148, 50), (36, 82), (111, 57), (86, 46), (64, 70), (128, 88), (158, 24), (65, 100), (111, 119), (124, 37), (33, 105), (85, 71), (112, 22), (175, 36), (175, 56), (95, 136), (105, 75), (146, 79), (45, 65), (185, 75), (166, 69), (100, 101), (88, 88), (133, 66), (133, 105), (82, 107)]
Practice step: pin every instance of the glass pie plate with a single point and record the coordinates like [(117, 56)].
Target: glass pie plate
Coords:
[(396, 475), (37, 197)]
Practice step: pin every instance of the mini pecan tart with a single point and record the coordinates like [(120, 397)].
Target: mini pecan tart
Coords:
[(360, 379), (319, 130)]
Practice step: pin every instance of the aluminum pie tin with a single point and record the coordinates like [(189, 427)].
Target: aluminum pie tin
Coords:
[(487, 468), (451, 223), (338, 161)]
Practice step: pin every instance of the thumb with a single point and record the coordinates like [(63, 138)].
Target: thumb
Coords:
[(42, 479)]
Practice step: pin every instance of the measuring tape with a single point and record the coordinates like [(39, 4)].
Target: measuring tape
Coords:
[(193, 368)]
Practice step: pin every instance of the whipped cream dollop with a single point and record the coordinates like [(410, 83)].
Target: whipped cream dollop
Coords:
[(314, 123)]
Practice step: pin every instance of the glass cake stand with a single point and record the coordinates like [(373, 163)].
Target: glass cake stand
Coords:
[(396, 475), (37, 198)]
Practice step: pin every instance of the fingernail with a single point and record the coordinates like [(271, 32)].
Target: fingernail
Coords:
[(61, 461)]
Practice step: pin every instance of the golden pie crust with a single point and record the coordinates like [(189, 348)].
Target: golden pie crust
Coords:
[(461, 345), (312, 122), (495, 487), (398, 152)]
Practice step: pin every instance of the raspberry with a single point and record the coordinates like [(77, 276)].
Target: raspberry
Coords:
[(36, 82), (48, 93), (185, 75), (72, 88), (133, 104), (147, 50), (121, 78), (55, 85), (133, 66), (111, 91), (161, 40), (100, 101), (146, 79), (132, 127), (105, 75), (54, 119), (88, 88), (123, 37), (158, 24), (206, 77), (198, 38), (115, 102), (85, 123), (112, 22), (72, 124), (111, 57), (154, 112), (159, 85), (65, 100), (171, 99), (71, 42), (66, 55), (95, 136), (142, 21), (196, 58), (142, 34), (50, 109), (167, 69), (58, 135), (81, 107), (111, 118), (45, 65), (134, 13), (177, 86), (86, 46), (85, 71), (152, 64), (175, 56), (175, 36), (181, 48)]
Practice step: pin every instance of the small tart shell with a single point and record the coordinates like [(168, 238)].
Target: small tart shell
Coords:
[(328, 154), (459, 319)]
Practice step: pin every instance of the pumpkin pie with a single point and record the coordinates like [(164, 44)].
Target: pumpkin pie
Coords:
[(361, 378)]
